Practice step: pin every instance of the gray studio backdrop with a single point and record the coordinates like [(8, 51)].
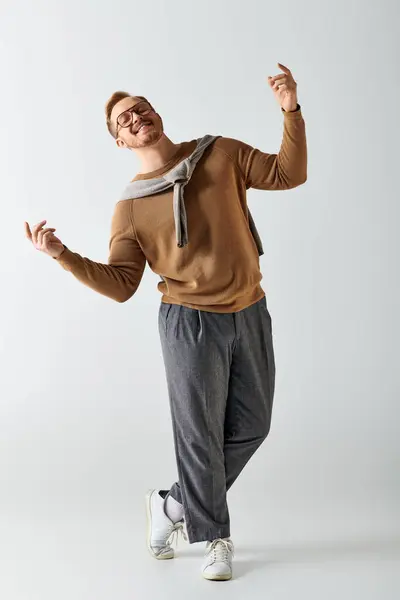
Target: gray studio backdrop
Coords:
[(84, 416)]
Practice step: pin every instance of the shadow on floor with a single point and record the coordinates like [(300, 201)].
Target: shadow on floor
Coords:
[(255, 558), (251, 559)]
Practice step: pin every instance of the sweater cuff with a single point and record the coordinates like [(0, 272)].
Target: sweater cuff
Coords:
[(293, 114), (66, 259)]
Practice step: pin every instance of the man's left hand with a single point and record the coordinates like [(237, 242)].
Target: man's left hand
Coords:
[(285, 89)]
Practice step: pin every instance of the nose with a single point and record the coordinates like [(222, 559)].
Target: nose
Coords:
[(135, 120)]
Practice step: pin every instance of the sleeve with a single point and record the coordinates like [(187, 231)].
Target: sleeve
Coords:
[(120, 278), (282, 171)]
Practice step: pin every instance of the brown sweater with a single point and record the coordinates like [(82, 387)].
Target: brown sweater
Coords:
[(219, 270)]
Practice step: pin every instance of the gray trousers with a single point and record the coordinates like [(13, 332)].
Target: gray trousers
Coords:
[(220, 372)]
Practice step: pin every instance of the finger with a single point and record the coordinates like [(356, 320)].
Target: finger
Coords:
[(280, 76), (275, 83), (284, 69), (291, 85), (272, 80), (48, 238), (28, 232), (278, 83), (36, 229), (42, 232)]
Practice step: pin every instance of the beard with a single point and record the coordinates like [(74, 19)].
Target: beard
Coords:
[(150, 135)]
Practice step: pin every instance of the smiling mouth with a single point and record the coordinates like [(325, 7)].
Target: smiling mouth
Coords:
[(144, 125)]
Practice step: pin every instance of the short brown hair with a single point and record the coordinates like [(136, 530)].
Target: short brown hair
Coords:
[(115, 98)]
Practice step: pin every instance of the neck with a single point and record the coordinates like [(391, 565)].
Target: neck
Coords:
[(155, 157)]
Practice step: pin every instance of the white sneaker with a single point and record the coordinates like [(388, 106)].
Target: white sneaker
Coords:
[(218, 560), (161, 531)]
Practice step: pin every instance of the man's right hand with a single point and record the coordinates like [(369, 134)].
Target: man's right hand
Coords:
[(43, 239)]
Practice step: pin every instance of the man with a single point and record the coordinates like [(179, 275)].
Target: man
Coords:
[(186, 215)]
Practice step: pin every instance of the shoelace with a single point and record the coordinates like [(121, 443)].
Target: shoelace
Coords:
[(177, 529), (219, 550)]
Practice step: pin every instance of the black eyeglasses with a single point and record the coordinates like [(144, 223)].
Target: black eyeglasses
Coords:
[(140, 109)]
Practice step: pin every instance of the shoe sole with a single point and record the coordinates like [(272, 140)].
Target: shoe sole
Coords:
[(149, 517), (217, 577)]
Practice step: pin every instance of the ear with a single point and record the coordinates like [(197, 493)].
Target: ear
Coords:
[(120, 143)]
